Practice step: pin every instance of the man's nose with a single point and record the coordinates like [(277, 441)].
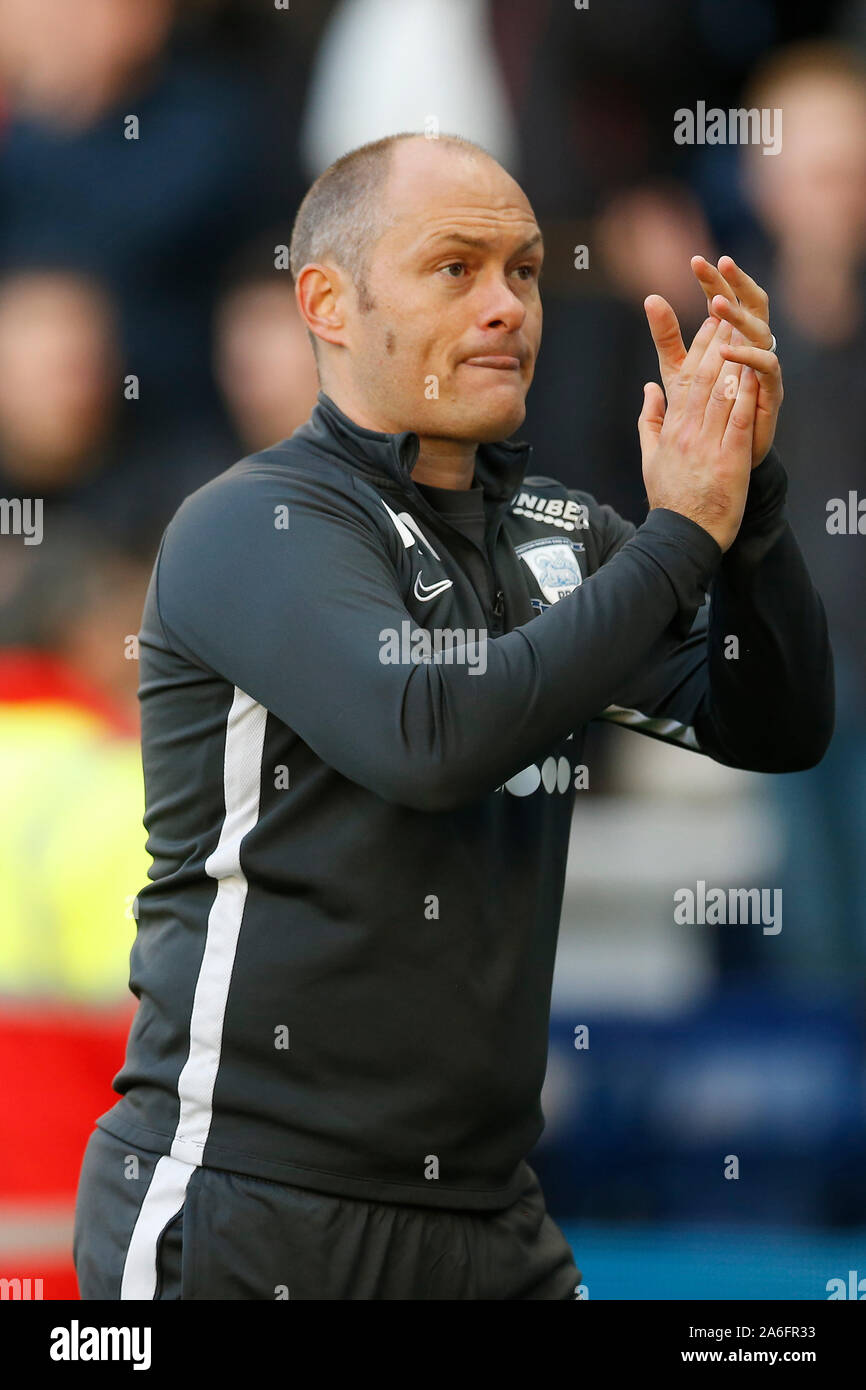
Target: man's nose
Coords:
[(501, 306)]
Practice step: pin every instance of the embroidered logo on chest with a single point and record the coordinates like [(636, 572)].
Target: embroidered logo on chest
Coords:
[(554, 565)]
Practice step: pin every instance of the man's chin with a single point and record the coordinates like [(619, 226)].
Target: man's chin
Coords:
[(495, 415)]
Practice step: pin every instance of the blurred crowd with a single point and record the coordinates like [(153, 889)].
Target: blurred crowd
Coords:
[(152, 157)]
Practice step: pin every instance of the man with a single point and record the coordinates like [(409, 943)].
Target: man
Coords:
[(368, 655)]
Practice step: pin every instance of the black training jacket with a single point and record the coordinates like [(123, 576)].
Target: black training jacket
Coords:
[(344, 958)]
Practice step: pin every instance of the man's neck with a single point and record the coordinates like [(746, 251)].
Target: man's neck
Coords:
[(448, 463), (445, 463)]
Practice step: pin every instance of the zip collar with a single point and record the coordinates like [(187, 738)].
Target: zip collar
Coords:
[(499, 467)]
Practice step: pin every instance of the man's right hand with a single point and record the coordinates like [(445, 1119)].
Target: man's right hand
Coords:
[(697, 448)]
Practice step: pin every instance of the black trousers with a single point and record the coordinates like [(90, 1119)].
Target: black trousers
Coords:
[(153, 1227)]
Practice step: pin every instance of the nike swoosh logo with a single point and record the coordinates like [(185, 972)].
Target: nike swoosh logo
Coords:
[(425, 592)]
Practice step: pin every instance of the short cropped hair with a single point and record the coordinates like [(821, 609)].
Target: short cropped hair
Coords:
[(343, 216)]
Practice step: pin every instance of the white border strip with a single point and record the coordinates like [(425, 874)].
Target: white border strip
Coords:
[(242, 773), (245, 734), (671, 730), (163, 1200)]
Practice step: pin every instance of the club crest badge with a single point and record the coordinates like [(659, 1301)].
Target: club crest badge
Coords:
[(554, 564)]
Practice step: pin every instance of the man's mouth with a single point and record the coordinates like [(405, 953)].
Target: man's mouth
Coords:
[(501, 364)]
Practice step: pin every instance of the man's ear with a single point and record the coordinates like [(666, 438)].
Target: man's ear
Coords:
[(320, 293)]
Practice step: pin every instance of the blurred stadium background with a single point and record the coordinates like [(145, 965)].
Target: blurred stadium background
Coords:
[(147, 341)]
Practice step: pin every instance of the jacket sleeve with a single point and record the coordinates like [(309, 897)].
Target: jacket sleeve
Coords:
[(295, 618), (752, 685)]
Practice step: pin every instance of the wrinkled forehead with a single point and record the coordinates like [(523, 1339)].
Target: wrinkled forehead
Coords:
[(431, 190)]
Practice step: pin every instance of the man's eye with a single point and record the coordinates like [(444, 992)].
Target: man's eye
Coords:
[(533, 270)]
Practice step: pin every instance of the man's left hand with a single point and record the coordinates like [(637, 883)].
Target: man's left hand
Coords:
[(734, 296)]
